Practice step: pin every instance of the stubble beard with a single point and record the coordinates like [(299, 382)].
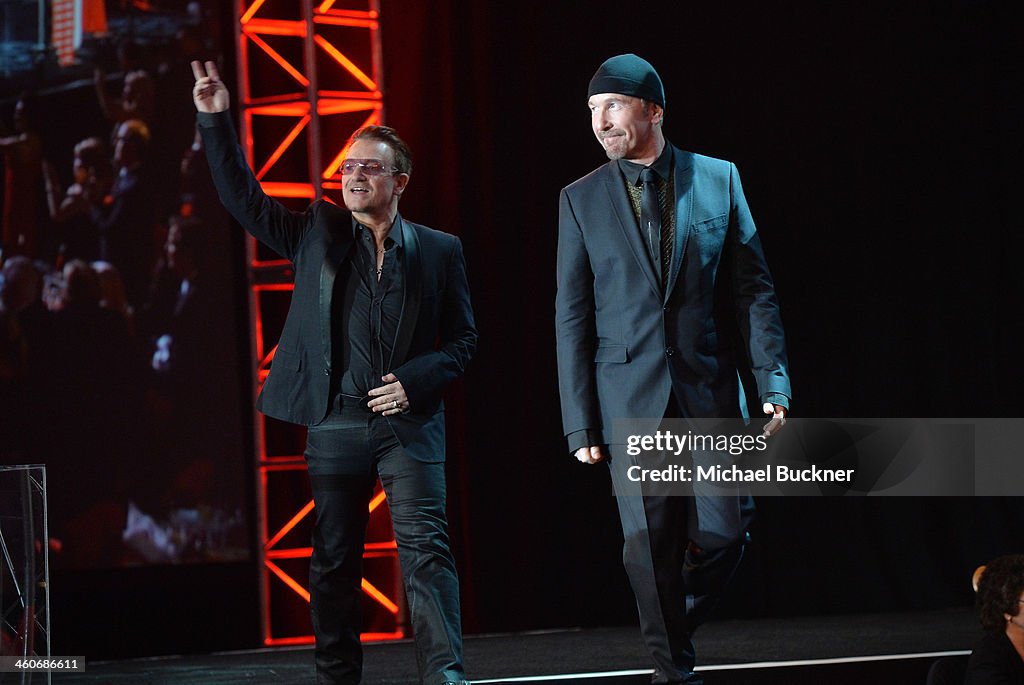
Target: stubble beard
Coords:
[(615, 151)]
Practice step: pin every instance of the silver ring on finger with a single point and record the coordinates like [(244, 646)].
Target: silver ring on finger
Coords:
[(394, 404)]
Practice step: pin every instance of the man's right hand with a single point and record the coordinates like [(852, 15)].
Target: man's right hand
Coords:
[(210, 94), (590, 455)]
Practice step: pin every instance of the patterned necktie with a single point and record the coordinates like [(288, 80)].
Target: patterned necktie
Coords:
[(650, 220)]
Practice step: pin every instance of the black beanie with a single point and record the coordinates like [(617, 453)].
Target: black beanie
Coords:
[(628, 75)]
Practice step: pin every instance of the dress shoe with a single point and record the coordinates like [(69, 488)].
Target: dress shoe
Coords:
[(690, 679)]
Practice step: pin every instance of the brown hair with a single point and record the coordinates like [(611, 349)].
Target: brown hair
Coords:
[(999, 590), (388, 136)]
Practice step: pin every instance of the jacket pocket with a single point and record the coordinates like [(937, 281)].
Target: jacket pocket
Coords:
[(614, 354), (711, 224)]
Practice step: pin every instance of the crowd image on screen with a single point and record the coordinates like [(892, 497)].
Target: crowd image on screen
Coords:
[(119, 364)]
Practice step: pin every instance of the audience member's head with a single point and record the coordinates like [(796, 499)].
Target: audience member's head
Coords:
[(112, 295), (91, 159), (81, 285), (131, 143), (138, 97), (21, 284), (1001, 591), (186, 238)]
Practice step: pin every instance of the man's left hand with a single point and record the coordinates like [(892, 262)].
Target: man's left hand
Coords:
[(389, 399), (778, 414)]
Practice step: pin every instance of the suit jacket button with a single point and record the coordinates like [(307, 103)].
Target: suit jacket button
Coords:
[(327, 371), (670, 351)]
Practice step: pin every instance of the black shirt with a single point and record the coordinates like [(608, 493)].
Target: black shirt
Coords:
[(662, 166), (366, 312)]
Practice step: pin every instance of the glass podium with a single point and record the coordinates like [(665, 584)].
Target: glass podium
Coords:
[(24, 569)]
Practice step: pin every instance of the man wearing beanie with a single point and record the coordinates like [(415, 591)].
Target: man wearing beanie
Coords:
[(656, 250)]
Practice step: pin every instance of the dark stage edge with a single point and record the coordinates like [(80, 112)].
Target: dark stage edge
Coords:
[(876, 648)]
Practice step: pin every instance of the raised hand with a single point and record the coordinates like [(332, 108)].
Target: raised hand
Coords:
[(210, 94)]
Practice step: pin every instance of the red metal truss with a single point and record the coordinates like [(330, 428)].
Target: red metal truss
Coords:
[(309, 74)]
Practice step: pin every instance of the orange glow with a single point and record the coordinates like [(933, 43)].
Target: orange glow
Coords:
[(372, 549), (354, 14), (332, 168), (289, 581), (286, 528), (274, 24), (277, 27), (296, 97), (352, 95), (377, 499), (325, 107), (273, 287), (276, 56), (253, 8), (276, 154), (288, 641), (308, 639), (348, 64), (373, 637), (258, 325), (281, 189), (270, 264), (381, 598), (291, 109), (296, 553), (339, 20)]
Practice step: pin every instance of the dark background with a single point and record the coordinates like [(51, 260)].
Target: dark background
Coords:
[(878, 148)]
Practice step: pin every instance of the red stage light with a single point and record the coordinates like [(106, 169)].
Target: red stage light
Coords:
[(279, 444)]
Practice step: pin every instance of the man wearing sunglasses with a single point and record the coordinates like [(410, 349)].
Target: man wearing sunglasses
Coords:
[(380, 323)]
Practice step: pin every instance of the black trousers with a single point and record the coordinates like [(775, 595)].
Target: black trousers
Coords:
[(345, 454), (679, 553)]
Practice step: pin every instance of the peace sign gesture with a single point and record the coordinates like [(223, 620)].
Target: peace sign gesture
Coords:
[(210, 94)]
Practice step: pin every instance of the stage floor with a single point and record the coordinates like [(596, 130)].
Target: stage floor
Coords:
[(877, 648)]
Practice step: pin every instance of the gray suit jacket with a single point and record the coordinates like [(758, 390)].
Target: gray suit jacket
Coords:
[(623, 345)]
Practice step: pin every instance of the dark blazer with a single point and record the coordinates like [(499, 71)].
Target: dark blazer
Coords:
[(995, 661), (436, 334), (622, 344)]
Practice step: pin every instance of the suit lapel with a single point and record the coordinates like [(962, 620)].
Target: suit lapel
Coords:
[(684, 207), (618, 197), (337, 252), (413, 293)]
